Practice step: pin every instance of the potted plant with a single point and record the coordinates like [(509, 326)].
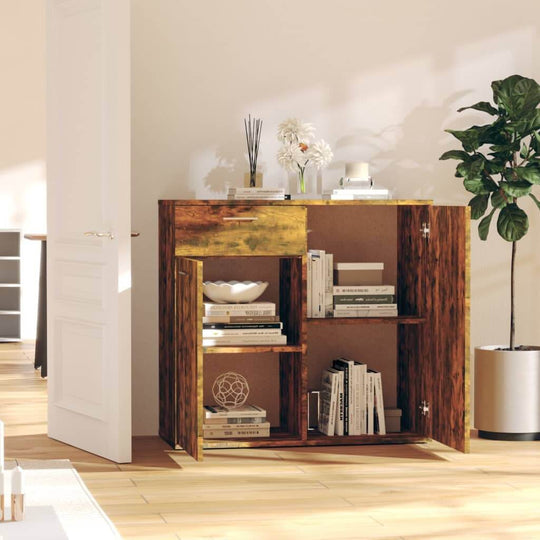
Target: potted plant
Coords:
[(500, 164)]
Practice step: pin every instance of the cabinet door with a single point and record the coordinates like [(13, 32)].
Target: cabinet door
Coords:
[(413, 359), (189, 360), (447, 324)]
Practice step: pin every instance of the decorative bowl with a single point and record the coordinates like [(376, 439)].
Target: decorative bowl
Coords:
[(233, 292)]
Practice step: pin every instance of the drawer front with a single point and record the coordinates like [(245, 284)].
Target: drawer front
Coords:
[(240, 230)]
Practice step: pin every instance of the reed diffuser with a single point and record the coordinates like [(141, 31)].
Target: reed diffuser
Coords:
[(253, 129)]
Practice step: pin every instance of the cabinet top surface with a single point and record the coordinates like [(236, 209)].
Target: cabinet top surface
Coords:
[(297, 202)]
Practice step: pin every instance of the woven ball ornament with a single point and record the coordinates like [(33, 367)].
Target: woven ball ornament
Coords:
[(230, 390)]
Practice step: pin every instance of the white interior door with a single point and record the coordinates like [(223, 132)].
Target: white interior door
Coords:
[(88, 191)]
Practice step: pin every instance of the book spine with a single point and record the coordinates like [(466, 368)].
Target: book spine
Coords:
[(241, 326), (245, 312), (219, 308), (329, 282), (339, 409), (365, 313), (359, 266), (379, 404), (225, 332), (208, 413), (309, 285), (363, 289), (245, 340), (227, 422), (366, 299), (232, 319), (370, 404), (236, 425), (231, 433)]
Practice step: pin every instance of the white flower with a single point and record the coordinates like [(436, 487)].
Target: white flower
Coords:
[(291, 156), (294, 130), (320, 154)]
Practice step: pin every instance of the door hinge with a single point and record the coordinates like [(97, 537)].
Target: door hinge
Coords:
[(424, 408), (425, 230)]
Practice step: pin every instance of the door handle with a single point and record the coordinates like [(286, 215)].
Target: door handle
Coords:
[(108, 235)]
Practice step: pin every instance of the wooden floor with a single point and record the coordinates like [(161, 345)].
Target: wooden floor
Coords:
[(407, 491)]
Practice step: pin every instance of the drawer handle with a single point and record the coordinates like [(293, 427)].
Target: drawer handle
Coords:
[(240, 218)]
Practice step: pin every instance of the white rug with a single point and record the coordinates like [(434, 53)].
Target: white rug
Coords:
[(58, 506)]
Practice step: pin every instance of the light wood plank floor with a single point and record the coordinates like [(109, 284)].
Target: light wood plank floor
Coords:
[(407, 491)]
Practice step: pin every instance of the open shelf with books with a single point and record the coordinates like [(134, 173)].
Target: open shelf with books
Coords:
[(419, 344)]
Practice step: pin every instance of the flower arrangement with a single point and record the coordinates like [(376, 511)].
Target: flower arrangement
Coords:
[(299, 150)]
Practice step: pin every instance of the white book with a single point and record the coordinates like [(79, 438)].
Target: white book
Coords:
[(361, 370), (340, 425), (244, 340), (256, 190), (379, 402), (328, 285), (329, 386), (212, 308), (226, 332), (363, 289), (236, 425), (317, 306), (232, 433), (364, 307), (370, 403), (365, 313), (218, 411), (309, 285), (359, 266)]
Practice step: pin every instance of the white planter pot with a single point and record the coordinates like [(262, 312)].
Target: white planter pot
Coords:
[(507, 393)]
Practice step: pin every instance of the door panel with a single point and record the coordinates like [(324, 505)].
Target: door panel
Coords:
[(413, 367), (189, 355), (448, 326), (88, 191)]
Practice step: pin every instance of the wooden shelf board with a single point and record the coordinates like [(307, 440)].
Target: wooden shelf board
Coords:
[(400, 319), (253, 349), (295, 202), (9, 258), (9, 312), (315, 438), (10, 284)]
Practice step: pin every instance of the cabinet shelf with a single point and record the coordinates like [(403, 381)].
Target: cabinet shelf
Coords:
[(254, 349), (315, 438), (400, 319)]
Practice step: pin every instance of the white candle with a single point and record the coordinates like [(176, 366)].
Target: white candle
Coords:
[(1, 445), (17, 481)]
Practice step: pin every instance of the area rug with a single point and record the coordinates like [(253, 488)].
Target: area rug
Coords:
[(58, 506)]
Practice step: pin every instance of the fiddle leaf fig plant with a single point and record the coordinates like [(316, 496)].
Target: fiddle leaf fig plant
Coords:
[(500, 163)]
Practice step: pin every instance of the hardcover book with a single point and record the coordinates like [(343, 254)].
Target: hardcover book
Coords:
[(218, 411)]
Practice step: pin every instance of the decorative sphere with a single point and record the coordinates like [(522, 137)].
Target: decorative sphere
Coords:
[(230, 390)]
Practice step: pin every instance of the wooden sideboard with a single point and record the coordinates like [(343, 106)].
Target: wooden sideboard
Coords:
[(423, 353)]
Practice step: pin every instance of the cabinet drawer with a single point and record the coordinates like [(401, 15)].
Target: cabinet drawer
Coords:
[(240, 230)]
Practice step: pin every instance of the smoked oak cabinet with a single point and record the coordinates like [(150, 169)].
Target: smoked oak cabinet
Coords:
[(423, 353)]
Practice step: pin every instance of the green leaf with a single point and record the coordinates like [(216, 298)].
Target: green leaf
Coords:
[(478, 206), (519, 188), (498, 199), (530, 173), (471, 169), (535, 200), (512, 223), (483, 106), (526, 124), (480, 186), (516, 95), (468, 138), (483, 226), (456, 154), (524, 152)]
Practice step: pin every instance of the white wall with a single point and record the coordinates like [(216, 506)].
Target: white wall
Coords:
[(380, 80), (22, 138)]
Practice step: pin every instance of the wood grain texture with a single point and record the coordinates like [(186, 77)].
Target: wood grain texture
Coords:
[(400, 319), (292, 285), (190, 357), (448, 322), (411, 299), (292, 392), (240, 230), (167, 329), (297, 202)]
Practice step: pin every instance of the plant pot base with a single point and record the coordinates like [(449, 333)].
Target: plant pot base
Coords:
[(493, 435)]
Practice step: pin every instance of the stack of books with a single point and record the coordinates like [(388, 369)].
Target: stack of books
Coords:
[(250, 193), (352, 400), (319, 283), (359, 291), (245, 421), (255, 323)]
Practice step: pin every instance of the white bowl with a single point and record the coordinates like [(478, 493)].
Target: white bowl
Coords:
[(233, 292)]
